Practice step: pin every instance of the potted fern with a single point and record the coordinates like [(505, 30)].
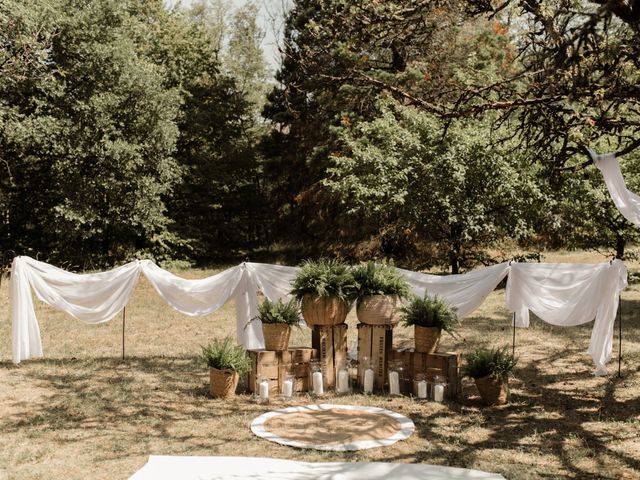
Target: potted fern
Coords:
[(430, 315), (277, 319), (324, 288), (226, 361), (381, 288), (490, 369)]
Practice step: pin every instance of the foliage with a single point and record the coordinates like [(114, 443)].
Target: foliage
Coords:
[(226, 355), (497, 362), (431, 311), (279, 312), (380, 279), (325, 278)]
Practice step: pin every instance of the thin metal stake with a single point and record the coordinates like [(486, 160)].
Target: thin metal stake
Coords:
[(513, 350), (124, 319), (619, 336)]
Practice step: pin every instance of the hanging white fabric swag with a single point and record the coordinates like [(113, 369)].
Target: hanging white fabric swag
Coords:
[(627, 202)]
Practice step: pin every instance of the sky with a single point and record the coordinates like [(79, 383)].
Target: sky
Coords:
[(270, 19)]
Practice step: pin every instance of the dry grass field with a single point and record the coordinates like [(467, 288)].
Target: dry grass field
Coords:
[(83, 412)]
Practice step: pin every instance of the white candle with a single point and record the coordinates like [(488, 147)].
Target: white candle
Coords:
[(422, 389), (438, 393), (394, 383), (318, 388), (368, 380), (264, 390), (343, 381), (287, 388)]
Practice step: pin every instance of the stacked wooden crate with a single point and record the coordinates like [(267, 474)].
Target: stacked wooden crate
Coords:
[(445, 364), (375, 342), (274, 366), (331, 344)]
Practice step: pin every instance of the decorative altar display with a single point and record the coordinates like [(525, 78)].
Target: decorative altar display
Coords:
[(333, 427), (97, 297)]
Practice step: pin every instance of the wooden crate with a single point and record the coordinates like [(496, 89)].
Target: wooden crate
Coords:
[(275, 365), (446, 364), (374, 342), (331, 343)]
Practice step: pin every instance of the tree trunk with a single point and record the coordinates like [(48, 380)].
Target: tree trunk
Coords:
[(620, 242)]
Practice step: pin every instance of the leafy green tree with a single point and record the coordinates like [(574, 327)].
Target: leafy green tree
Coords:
[(459, 192)]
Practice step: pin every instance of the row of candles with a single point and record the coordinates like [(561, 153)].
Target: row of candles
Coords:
[(343, 382)]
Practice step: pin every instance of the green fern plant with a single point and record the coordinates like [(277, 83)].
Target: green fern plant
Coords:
[(325, 278), (380, 279), (497, 362), (279, 312), (226, 355), (431, 311)]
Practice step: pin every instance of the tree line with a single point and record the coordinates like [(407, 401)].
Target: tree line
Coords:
[(428, 132)]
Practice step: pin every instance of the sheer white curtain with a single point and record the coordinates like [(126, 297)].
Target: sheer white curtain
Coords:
[(627, 202), (566, 295)]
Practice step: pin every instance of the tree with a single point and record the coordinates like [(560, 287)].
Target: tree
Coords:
[(460, 192)]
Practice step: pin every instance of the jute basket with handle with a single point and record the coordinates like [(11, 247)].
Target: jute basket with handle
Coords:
[(323, 310), (379, 309), (276, 336), (427, 338), (223, 383), (492, 390)]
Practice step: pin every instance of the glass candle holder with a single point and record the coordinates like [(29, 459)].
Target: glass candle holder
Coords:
[(262, 389), (316, 378), (396, 377), (367, 376), (420, 386), (439, 386), (343, 380), (287, 386)]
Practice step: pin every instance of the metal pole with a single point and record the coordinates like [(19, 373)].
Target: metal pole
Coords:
[(620, 336), (124, 319), (513, 349)]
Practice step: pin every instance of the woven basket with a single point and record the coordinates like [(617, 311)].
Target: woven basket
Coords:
[(492, 391), (323, 310), (276, 336), (223, 383), (379, 309), (427, 339)]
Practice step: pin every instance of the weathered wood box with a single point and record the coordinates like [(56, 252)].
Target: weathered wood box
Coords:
[(331, 344), (446, 364), (275, 365), (375, 342)]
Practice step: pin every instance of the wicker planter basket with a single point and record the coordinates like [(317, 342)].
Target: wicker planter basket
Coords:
[(223, 383), (492, 391), (276, 336), (427, 339), (379, 310), (323, 310)]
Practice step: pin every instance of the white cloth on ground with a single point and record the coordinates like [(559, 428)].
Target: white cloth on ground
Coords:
[(566, 295), (626, 201)]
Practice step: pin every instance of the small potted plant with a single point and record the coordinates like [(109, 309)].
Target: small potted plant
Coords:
[(490, 369), (430, 315), (227, 361), (325, 288), (381, 288), (277, 319)]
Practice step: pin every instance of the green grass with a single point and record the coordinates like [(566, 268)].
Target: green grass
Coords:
[(83, 411)]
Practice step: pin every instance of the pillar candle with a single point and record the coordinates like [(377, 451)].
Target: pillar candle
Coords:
[(368, 380), (318, 388), (422, 389), (343, 381), (438, 393), (394, 383), (287, 388), (264, 390)]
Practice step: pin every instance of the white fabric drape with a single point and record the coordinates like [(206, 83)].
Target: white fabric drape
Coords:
[(627, 202), (567, 295), (465, 291)]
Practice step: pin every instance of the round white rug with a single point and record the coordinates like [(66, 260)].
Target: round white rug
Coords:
[(333, 427)]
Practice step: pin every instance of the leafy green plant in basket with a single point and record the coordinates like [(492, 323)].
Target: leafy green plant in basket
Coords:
[(226, 361), (490, 369), (325, 288), (430, 315), (277, 318), (381, 288)]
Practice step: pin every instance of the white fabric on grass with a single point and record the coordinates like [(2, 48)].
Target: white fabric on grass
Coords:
[(465, 291), (245, 468), (566, 295), (627, 202)]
